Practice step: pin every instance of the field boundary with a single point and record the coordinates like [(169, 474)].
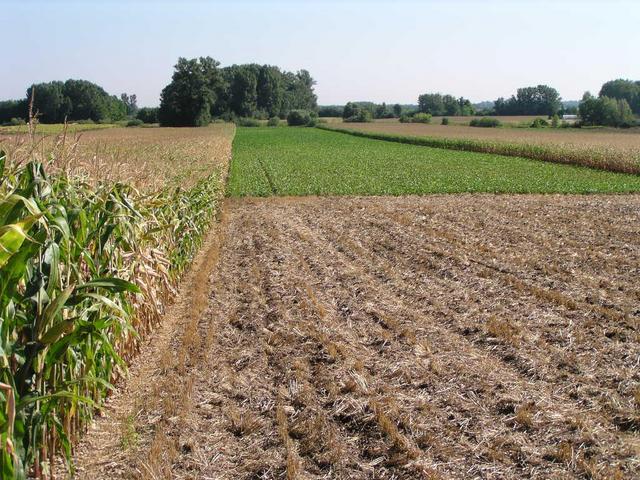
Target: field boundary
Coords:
[(555, 154)]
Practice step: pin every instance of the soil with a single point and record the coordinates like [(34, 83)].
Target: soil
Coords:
[(470, 336)]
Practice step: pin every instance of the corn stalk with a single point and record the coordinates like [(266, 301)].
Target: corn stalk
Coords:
[(84, 273)]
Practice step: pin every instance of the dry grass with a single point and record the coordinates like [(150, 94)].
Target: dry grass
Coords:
[(148, 158), (387, 338)]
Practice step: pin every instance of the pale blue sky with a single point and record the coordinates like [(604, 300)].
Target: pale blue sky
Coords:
[(356, 50)]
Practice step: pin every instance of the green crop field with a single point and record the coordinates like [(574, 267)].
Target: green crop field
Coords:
[(307, 161)]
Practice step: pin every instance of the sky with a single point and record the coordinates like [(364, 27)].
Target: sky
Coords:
[(389, 51)]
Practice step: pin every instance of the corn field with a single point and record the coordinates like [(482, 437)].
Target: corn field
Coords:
[(84, 273)]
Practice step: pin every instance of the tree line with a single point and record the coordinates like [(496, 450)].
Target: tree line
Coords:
[(200, 90), (71, 100), (616, 104)]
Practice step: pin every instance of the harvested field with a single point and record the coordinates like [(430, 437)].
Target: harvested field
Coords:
[(474, 336)]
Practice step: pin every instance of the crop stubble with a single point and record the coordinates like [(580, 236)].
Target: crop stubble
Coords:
[(433, 337)]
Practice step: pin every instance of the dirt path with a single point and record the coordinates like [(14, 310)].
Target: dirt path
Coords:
[(433, 337)]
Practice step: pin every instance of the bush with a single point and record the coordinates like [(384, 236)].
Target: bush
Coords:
[(485, 122), (416, 118), (330, 111), (88, 121), (14, 122), (148, 115), (298, 118), (247, 122), (445, 121), (361, 116), (539, 123), (136, 122), (555, 121), (228, 117), (421, 118), (605, 111), (273, 122)]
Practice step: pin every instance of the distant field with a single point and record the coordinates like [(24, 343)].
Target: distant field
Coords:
[(305, 161), (147, 158), (510, 120), (623, 140), (617, 150), (54, 128)]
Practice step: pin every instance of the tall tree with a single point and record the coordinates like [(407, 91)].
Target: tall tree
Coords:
[(188, 99), (131, 102), (270, 90), (49, 101), (539, 100), (244, 94), (623, 89)]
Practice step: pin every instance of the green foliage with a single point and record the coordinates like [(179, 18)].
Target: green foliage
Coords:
[(539, 100), (486, 122), (330, 111), (69, 256), (354, 112), (136, 122), (13, 109), (130, 103), (418, 117), (438, 104), (188, 99), (540, 123), (72, 100), (14, 122), (605, 111), (273, 122), (200, 90), (445, 121), (270, 90), (623, 90), (243, 89), (555, 121), (287, 161), (148, 114), (247, 122), (298, 118), (421, 118), (382, 111)]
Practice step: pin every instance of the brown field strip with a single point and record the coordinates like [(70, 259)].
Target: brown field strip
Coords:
[(416, 337), (147, 158)]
